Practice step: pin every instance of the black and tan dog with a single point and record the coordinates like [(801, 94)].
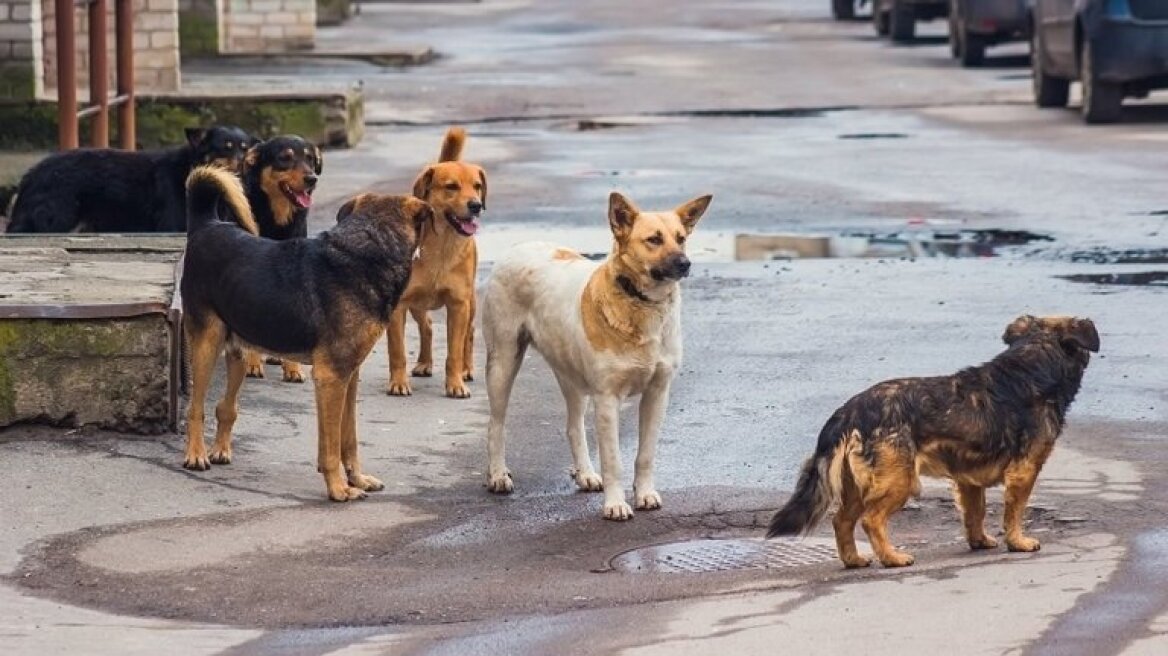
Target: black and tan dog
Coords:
[(992, 424), (323, 301), (105, 190), (279, 177)]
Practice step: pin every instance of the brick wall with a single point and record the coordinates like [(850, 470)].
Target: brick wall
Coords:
[(156, 61), (21, 53), (268, 25)]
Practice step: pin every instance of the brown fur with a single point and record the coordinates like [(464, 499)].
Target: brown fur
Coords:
[(443, 274), (344, 286), (984, 426)]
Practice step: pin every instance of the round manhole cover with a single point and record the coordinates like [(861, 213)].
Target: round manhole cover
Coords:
[(725, 555)]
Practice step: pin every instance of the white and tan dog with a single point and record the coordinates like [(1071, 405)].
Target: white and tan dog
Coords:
[(607, 332)]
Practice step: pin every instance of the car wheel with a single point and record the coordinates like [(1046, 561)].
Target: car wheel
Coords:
[(1048, 91), (843, 10), (1102, 101), (902, 22), (972, 48), (879, 19)]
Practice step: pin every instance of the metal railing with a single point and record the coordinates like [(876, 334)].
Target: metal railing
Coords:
[(68, 113)]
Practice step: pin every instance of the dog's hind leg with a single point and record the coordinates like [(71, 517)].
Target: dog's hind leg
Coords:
[(1020, 478), (891, 483), (457, 323), (349, 456), (425, 366), (844, 522), (971, 500), (505, 351), (608, 443), (205, 341), (582, 472), (395, 336), (228, 408), (652, 411)]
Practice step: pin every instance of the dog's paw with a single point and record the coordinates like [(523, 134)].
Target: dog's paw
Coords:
[(423, 370), (619, 511), (588, 481), (366, 482), (500, 483), (456, 390), (196, 462), (1023, 543), (983, 542), (220, 457), (468, 376), (293, 373), (648, 500), (255, 369), (345, 493), (399, 388), (856, 562), (897, 559)]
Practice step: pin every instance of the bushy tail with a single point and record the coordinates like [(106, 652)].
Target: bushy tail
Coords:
[(207, 188), (452, 145), (818, 485)]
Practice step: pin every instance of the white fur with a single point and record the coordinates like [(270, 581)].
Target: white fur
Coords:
[(533, 296)]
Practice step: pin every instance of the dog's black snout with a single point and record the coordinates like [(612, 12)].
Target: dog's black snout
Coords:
[(681, 266), (474, 206), (310, 180)]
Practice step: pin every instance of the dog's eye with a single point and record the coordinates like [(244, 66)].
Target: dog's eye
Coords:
[(655, 240), (230, 145), (680, 240), (478, 186), (452, 186)]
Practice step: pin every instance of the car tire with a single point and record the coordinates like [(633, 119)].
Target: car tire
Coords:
[(879, 19), (902, 22), (971, 48), (1049, 91), (1102, 101), (843, 10)]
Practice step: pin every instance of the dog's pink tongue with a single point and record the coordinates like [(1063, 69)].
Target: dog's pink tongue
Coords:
[(470, 227), (302, 199)]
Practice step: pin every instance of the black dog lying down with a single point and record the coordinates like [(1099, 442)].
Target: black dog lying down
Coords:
[(106, 190)]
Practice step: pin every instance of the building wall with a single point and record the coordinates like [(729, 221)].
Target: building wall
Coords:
[(21, 54), (268, 25), (199, 26)]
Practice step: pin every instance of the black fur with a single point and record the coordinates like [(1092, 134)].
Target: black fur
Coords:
[(305, 160), (104, 190)]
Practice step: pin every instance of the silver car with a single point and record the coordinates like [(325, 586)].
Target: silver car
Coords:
[(977, 24)]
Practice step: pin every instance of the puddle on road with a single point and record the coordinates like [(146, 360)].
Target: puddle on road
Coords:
[(1134, 279), (873, 135), (697, 556), (1128, 256), (723, 246)]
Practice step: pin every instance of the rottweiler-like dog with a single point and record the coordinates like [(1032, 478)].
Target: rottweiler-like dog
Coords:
[(279, 177), (323, 301), (106, 190), (987, 425)]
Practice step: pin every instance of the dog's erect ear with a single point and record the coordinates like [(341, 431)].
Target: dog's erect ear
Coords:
[(422, 184), (690, 212), (1082, 333), (195, 136), (1019, 328), (483, 192), (319, 160), (621, 214)]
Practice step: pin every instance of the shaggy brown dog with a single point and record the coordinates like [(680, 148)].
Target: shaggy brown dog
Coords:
[(323, 301), (444, 271), (986, 425)]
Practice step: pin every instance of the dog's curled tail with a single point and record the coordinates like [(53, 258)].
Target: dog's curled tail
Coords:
[(452, 145), (210, 186), (819, 484)]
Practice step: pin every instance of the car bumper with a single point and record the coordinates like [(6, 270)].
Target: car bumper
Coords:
[(994, 17), (1127, 50)]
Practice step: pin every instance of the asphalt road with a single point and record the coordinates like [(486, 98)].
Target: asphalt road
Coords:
[(797, 125)]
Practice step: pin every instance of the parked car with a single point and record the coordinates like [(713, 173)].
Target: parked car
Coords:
[(898, 18), (977, 24), (1115, 48), (845, 10)]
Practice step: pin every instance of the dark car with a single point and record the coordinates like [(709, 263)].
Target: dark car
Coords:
[(977, 24), (1116, 48), (843, 10), (898, 18)]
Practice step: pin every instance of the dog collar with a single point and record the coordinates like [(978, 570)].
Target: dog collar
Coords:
[(629, 288)]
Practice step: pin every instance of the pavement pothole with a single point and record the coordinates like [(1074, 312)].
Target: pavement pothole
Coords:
[(725, 555), (1130, 279)]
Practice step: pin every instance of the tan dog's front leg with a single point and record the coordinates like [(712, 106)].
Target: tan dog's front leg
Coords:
[(395, 336), (425, 366), (292, 371), (457, 320), (349, 457), (608, 441), (254, 362), (652, 411), (331, 392)]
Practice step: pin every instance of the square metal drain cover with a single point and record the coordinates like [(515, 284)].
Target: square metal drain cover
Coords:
[(696, 556)]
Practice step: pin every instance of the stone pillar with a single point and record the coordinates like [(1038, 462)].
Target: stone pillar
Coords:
[(21, 54), (156, 62), (268, 25)]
